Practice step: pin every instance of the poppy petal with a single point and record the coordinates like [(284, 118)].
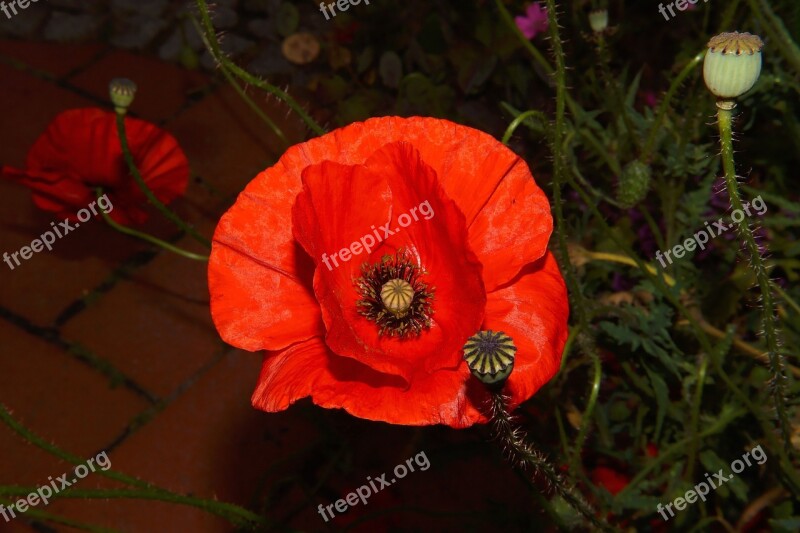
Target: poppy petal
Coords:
[(389, 186), (482, 176), (310, 369), (533, 311), (80, 150)]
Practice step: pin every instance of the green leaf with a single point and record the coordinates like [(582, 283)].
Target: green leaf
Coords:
[(662, 399), (713, 464)]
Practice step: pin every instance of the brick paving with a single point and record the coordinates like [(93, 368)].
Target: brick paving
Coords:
[(107, 343)]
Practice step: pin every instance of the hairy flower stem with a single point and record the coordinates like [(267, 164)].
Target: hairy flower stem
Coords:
[(528, 457), (777, 31), (245, 76), (149, 238), (240, 90), (613, 89), (559, 172), (663, 106), (143, 490), (137, 176), (702, 337), (769, 318)]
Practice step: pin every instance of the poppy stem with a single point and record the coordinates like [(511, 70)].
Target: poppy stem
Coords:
[(143, 490), (238, 88), (245, 76), (149, 238), (777, 365), (137, 176), (663, 106), (527, 456), (519, 120)]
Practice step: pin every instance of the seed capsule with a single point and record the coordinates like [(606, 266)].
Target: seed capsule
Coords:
[(397, 295), (122, 91), (490, 356), (732, 64), (598, 20)]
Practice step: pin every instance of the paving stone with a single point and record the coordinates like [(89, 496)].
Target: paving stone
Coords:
[(59, 398), (155, 336), (135, 32), (223, 446), (26, 23), (29, 116), (232, 45), (148, 8), (67, 27)]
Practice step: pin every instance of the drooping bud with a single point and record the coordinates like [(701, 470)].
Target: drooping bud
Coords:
[(122, 91), (634, 183), (732, 64)]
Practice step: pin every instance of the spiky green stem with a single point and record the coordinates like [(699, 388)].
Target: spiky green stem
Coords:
[(149, 238), (245, 76), (144, 490), (137, 176), (239, 89), (528, 456), (663, 106), (768, 315), (777, 32)]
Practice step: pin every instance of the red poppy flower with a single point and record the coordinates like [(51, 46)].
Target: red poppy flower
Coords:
[(80, 151), (609, 478), (477, 260)]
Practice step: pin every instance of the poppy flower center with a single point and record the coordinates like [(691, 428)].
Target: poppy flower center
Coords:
[(394, 296), (397, 295)]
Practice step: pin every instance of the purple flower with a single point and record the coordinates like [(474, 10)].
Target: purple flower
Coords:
[(534, 21)]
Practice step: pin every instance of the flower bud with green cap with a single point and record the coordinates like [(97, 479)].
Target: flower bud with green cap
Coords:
[(732, 65), (122, 91)]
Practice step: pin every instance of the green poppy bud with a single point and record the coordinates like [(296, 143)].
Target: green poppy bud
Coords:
[(122, 92), (732, 64), (634, 183)]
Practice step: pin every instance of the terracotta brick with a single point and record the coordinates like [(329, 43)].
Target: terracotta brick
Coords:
[(56, 60), (41, 287), (210, 442), (59, 398), (27, 105), (227, 143), (163, 88), (218, 438), (151, 333)]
